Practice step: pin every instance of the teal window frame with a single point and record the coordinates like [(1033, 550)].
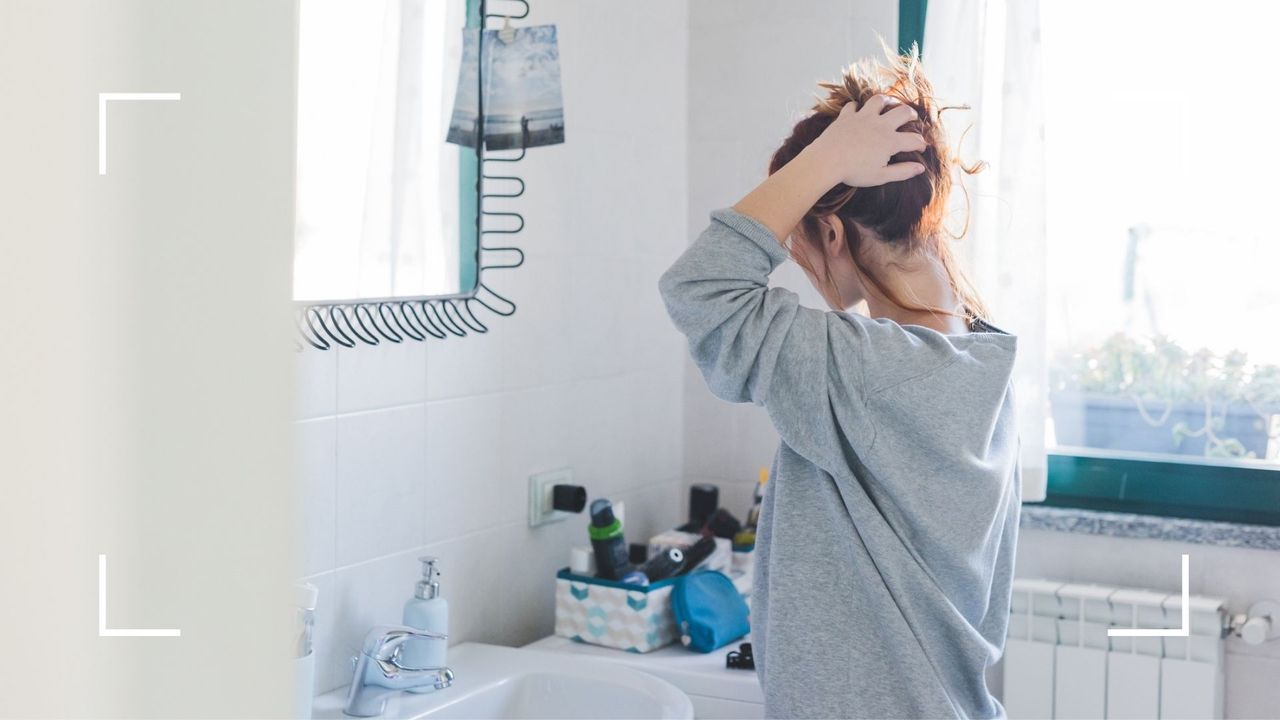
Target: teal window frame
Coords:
[(1195, 489), (469, 202), (911, 24)]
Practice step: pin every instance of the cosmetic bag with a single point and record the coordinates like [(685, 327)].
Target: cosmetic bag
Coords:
[(709, 611)]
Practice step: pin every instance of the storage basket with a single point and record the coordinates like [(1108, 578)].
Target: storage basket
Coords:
[(635, 618)]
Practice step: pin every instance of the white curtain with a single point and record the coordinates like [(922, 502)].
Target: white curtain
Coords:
[(986, 54), (378, 188), (405, 211)]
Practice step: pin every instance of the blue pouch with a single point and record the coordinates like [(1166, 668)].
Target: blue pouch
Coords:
[(709, 611)]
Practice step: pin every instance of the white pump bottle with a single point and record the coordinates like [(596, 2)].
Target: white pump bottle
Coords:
[(428, 611)]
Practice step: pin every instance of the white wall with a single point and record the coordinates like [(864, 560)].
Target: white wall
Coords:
[(426, 448), (752, 65), (146, 384)]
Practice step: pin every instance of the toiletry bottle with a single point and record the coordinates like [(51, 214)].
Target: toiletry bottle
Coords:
[(664, 564), (697, 554), (704, 499), (582, 561), (606, 540), (753, 516), (428, 611), (744, 541), (304, 663)]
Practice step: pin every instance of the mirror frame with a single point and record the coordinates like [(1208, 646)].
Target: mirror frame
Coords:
[(372, 321)]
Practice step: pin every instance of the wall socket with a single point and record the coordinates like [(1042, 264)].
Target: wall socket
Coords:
[(540, 487)]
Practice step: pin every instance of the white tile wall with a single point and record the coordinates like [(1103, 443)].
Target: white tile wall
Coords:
[(316, 443), (382, 481), (426, 448)]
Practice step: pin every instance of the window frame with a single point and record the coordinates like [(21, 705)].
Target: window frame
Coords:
[(1195, 489), (911, 15), (1119, 482)]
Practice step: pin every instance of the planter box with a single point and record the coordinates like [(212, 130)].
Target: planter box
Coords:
[(1114, 423)]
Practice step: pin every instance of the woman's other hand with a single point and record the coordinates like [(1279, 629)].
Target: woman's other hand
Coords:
[(855, 149)]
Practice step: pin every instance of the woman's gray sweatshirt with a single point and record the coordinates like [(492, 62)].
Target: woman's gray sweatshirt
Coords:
[(885, 547)]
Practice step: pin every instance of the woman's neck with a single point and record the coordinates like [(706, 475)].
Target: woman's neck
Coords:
[(921, 281)]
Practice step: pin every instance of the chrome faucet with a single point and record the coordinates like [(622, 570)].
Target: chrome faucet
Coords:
[(379, 674)]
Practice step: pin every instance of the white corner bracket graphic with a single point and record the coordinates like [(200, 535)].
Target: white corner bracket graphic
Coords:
[(1184, 631), (103, 630), (103, 99)]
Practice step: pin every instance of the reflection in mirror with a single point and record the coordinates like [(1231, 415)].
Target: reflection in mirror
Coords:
[(385, 208)]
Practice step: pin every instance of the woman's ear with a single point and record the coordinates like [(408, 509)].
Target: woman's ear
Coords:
[(833, 239)]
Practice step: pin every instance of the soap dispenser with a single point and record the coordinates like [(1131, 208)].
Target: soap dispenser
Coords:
[(428, 611)]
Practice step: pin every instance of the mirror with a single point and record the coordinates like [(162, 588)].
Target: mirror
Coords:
[(386, 207)]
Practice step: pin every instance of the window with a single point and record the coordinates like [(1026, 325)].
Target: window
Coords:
[(1163, 254)]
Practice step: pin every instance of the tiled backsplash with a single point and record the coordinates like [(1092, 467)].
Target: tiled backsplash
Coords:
[(425, 448)]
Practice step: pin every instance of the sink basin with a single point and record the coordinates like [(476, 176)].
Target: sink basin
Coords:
[(491, 681)]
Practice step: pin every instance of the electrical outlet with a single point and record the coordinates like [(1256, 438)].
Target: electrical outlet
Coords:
[(540, 488)]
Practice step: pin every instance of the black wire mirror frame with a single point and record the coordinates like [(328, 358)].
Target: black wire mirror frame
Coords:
[(396, 320)]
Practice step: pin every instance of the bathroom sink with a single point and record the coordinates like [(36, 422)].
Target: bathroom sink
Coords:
[(491, 681)]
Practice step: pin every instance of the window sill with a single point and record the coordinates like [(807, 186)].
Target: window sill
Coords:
[(1152, 527)]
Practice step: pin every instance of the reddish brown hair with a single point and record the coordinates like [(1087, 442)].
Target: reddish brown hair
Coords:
[(907, 215)]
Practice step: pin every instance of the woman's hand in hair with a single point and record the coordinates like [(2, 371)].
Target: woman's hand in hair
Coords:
[(856, 148)]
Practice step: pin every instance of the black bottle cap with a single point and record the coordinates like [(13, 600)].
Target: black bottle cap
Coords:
[(704, 498), (639, 553), (602, 513), (723, 524), (569, 498)]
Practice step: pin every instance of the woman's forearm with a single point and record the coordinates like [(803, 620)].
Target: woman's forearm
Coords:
[(784, 197)]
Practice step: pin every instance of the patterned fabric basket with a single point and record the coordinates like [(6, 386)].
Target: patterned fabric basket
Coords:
[(604, 612)]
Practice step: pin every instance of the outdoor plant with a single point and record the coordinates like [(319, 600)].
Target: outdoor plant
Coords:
[(1157, 375)]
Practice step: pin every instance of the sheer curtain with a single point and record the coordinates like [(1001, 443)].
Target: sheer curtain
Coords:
[(378, 188), (986, 54), (410, 203)]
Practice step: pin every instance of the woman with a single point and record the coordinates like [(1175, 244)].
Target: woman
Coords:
[(885, 550)]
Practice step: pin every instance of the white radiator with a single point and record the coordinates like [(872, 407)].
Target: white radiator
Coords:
[(1060, 663)]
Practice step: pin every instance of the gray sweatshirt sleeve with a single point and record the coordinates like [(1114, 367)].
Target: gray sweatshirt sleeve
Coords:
[(756, 344)]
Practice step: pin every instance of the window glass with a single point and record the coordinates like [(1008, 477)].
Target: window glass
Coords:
[(1163, 250)]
